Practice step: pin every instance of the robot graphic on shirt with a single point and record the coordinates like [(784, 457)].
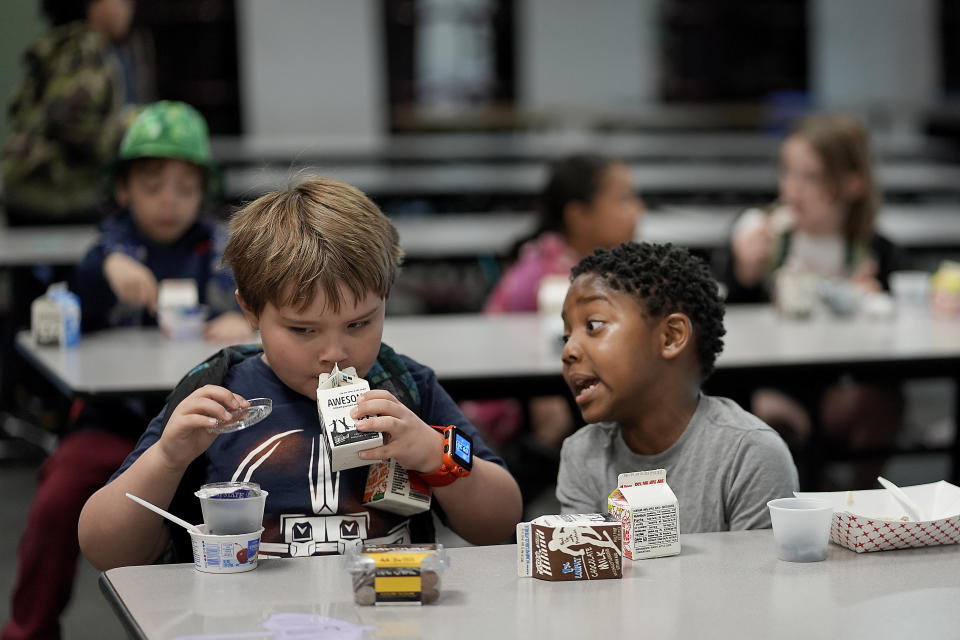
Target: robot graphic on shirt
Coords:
[(324, 531)]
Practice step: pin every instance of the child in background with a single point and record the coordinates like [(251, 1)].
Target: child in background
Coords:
[(164, 164), (589, 201), (161, 176), (824, 224), (643, 325), (67, 114), (313, 265)]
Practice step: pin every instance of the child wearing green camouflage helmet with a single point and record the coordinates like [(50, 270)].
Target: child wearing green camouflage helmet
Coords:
[(160, 174)]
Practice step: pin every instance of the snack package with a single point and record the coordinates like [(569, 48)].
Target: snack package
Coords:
[(390, 488), (395, 574), (55, 317), (585, 546), (648, 509), (337, 394), (945, 289)]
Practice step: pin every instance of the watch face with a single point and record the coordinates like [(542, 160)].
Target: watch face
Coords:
[(462, 449)]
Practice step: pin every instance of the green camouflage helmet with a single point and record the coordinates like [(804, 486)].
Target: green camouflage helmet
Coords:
[(167, 129)]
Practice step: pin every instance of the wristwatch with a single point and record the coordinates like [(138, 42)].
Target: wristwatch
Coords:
[(457, 457)]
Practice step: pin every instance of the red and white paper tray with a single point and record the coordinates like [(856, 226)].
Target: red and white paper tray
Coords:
[(873, 521)]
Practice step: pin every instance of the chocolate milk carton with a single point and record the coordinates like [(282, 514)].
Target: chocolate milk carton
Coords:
[(646, 506), (584, 546), (337, 394), (391, 488)]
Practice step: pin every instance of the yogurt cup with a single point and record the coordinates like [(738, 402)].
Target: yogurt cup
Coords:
[(225, 554)]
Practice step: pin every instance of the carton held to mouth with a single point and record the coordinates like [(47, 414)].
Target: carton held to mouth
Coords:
[(338, 393), (585, 546), (390, 488), (648, 509)]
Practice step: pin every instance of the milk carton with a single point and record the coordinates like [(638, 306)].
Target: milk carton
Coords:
[(337, 394), (390, 488), (55, 317), (646, 506), (585, 546), (179, 312)]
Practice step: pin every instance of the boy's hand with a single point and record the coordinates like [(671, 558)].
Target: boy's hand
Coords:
[(408, 439), (187, 433), (131, 281), (228, 327)]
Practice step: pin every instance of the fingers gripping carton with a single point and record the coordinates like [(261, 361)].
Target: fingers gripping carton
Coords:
[(337, 394), (584, 546), (649, 512), (390, 488)]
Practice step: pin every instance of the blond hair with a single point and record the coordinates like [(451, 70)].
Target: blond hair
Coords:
[(319, 233), (843, 145)]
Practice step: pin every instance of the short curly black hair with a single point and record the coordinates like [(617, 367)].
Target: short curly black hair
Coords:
[(666, 279)]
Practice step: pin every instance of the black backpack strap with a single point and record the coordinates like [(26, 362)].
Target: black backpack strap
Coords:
[(391, 374)]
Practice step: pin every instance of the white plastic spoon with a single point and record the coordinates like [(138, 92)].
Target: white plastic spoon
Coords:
[(166, 514), (909, 505)]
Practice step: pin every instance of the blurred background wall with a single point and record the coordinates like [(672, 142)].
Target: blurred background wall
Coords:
[(363, 68)]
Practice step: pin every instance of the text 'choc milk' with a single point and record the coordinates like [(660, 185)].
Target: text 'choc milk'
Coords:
[(584, 546), (648, 509)]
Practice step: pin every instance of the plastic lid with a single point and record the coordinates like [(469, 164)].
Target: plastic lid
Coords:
[(259, 409)]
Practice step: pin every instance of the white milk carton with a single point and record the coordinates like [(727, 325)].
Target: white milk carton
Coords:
[(337, 394), (179, 313), (391, 488), (55, 317), (646, 506)]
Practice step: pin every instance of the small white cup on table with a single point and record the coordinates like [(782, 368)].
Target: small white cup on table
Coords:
[(801, 527)]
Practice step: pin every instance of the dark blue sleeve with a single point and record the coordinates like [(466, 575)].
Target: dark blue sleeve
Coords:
[(219, 288), (90, 285), (438, 409), (149, 437)]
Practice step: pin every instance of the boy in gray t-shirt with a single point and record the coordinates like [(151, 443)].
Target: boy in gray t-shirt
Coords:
[(643, 325)]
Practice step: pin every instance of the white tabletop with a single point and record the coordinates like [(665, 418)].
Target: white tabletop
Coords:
[(56, 245), (475, 348), (722, 585), (127, 361), (522, 345), (468, 235)]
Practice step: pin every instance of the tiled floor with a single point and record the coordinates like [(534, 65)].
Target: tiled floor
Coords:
[(88, 617)]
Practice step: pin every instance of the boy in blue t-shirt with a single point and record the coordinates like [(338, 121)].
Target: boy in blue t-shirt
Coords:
[(313, 265)]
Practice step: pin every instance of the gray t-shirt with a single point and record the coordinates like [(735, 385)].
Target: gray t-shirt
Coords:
[(723, 469)]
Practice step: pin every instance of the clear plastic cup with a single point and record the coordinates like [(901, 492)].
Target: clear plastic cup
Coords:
[(911, 289), (801, 527), (232, 508)]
